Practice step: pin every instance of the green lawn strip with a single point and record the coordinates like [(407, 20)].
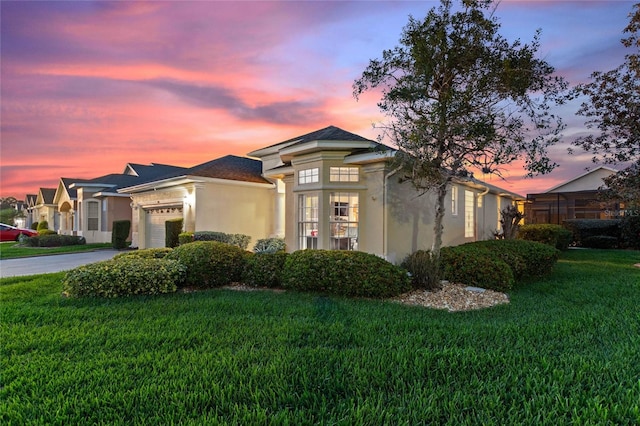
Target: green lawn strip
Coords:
[(564, 351), (12, 250)]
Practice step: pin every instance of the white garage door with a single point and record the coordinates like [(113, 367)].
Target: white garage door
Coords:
[(154, 224)]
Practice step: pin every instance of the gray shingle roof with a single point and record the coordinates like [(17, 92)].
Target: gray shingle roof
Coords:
[(48, 194), (230, 167), (330, 133)]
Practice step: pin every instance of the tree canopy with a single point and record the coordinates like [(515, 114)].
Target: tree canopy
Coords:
[(460, 97)]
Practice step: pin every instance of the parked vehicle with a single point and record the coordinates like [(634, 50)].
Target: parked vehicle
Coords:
[(11, 233)]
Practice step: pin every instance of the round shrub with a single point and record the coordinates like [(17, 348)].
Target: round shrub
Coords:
[(43, 232), (43, 224), (600, 242), (185, 238), (269, 245), (525, 258), (264, 269), (473, 265), (34, 226), (210, 263), (348, 273), (553, 235), (150, 253), (424, 269), (124, 276)]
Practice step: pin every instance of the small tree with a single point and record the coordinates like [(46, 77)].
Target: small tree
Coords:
[(460, 97), (613, 108), (510, 218)]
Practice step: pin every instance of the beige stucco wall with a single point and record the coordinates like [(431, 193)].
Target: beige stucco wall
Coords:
[(589, 182)]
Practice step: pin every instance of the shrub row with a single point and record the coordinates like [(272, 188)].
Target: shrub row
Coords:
[(269, 245), (151, 253), (497, 264), (238, 240), (264, 269), (53, 240), (124, 276), (582, 229), (553, 235), (210, 263)]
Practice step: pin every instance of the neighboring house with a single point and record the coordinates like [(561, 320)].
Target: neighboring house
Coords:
[(575, 199), (338, 192), (227, 194), (46, 209), (31, 211), (66, 201)]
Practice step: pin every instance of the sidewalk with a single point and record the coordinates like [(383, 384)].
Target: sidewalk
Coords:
[(51, 263)]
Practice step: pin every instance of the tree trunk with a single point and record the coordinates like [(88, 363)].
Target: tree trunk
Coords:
[(438, 227)]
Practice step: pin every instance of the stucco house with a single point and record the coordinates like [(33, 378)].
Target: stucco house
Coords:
[(576, 198), (328, 189), (32, 212), (46, 209)]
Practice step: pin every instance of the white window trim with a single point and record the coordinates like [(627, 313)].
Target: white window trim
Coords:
[(308, 176), (344, 174), (454, 200)]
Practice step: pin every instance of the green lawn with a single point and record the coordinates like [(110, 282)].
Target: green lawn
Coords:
[(566, 350), (13, 250)]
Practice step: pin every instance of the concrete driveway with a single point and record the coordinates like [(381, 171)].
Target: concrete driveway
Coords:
[(51, 263)]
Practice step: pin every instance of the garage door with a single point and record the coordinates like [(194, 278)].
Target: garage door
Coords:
[(154, 224)]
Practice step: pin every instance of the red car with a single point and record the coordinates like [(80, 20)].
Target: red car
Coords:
[(11, 233)]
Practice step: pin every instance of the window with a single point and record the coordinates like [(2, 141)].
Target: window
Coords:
[(469, 221), (93, 208), (454, 200), (307, 222), (308, 176), (343, 174), (344, 220)]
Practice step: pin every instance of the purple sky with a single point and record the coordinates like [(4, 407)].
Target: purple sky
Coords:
[(87, 87)]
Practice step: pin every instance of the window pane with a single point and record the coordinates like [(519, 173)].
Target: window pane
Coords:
[(308, 176), (307, 222), (469, 221), (344, 221), (343, 174), (92, 215)]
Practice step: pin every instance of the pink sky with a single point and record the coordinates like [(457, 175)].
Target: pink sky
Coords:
[(88, 87)]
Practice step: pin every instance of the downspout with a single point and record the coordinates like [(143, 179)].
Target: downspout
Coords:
[(385, 243), (484, 206)]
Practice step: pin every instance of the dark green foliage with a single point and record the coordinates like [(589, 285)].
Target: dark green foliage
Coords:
[(124, 276), (630, 231), (348, 273), (151, 253), (43, 224), (473, 265), (553, 235), (264, 269), (238, 240), (585, 228), (210, 263), (424, 269), (600, 242), (269, 245), (173, 228), (526, 259), (120, 233), (54, 240), (34, 226), (185, 238), (47, 232)]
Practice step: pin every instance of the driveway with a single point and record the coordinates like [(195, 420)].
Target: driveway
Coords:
[(51, 263)]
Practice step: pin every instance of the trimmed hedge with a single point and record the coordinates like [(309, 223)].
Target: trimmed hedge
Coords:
[(54, 240), (43, 232), (185, 238), (473, 265), (124, 276), (553, 235), (424, 269), (630, 231), (600, 242), (34, 226), (585, 228), (264, 269), (150, 253), (347, 273), (238, 240), (525, 258), (43, 224), (173, 229), (120, 233), (269, 245), (210, 263)]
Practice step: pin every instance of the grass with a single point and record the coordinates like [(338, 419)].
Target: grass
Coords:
[(13, 250), (564, 351)]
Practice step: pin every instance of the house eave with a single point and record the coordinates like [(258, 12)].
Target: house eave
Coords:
[(288, 153)]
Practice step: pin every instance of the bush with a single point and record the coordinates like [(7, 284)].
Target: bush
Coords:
[(238, 240), (173, 228), (553, 235), (210, 263), (473, 265), (43, 224), (185, 238), (124, 276), (34, 226), (151, 253), (630, 232), (600, 242), (269, 245), (54, 240), (424, 269), (585, 228), (525, 258), (120, 233), (264, 269), (348, 273), (46, 232)]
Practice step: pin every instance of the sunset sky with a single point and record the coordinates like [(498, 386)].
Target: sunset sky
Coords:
[(87, 87)]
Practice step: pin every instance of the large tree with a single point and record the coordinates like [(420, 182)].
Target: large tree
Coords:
[(613, 109), (459, 97)]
